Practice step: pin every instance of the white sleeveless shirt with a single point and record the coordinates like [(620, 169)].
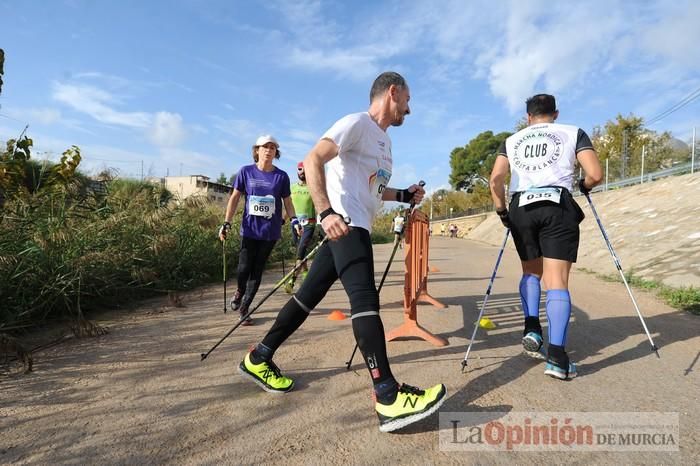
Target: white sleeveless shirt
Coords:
[(544, 154)]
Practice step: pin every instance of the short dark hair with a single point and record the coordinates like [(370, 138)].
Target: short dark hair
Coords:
[(383, 82), (541, 104)]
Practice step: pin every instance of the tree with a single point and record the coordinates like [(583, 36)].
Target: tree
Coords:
[(2, 67), (443, 200), (222, 178), (521, 123), (471, 165), (609, 143)]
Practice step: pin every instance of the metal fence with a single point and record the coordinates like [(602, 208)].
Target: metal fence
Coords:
[(681, 169), (465, 213)]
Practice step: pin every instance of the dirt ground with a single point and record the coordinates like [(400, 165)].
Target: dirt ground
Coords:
[(140, 394)]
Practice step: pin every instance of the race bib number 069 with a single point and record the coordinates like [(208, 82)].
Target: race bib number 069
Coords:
[(261, 206)]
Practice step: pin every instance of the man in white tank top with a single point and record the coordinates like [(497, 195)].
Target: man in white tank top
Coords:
[(544, 219)]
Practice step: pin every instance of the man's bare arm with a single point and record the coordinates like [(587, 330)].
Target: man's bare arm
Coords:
[(323, 152), (501, 167)]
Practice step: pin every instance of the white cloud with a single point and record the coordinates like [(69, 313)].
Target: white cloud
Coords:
[(240, 129), (352, 64), (167, 130), (112, 80), (676, 35), (41, 115), (163, 129), (96, 103), (307, 21), (294, 150), (518, 48), (304, 136)]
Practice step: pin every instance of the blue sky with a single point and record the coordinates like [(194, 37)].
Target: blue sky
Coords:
[(188, 85)]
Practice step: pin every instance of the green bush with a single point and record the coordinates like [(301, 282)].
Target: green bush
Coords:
[(69, 250)]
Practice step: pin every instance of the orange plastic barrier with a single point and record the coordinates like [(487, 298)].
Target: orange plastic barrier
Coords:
[(416, 282)]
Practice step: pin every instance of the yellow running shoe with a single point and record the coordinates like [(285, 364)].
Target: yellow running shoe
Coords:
[(266, 374), (411, 405)]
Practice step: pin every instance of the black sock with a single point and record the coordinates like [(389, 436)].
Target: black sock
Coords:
[(557, 355), (261, 353), (386, 391), (532, 324)]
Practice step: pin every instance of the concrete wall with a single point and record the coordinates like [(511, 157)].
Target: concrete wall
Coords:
[(654, 228), (464, 224)]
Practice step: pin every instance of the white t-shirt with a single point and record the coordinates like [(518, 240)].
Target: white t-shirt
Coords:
[(398, 224), (544, 155), (356, 178)]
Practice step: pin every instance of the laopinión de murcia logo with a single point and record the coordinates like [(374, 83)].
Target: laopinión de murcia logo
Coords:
[(582, 431)]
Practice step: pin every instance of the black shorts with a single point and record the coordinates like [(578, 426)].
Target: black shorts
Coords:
[(546, 229)]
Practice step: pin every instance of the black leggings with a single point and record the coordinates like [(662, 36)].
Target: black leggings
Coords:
[(302, 243), (350, 259), (251, 263)]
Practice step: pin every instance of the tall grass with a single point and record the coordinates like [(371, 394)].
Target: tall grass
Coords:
[(68, 250), (683, 298)]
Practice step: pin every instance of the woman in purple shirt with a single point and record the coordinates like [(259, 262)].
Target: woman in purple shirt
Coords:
[(266, 190)]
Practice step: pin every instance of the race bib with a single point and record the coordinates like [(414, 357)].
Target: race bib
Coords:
[(533, 195), (261, 206), (381, 181)]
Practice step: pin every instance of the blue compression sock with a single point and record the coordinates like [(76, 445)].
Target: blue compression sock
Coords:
[(558, 313), (530, 295)]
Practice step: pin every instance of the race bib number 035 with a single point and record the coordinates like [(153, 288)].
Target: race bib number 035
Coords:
[(261, 206), (533, 195)]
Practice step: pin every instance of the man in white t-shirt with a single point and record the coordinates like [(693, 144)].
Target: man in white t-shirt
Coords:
[(398, 226), (544, 219), (348, 172)]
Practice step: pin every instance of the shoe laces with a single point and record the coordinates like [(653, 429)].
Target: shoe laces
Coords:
[(411, 390), (272, 369)]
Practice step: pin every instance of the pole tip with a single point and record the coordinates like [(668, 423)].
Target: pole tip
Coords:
[(203, 356), (656, 350), (464, 365)]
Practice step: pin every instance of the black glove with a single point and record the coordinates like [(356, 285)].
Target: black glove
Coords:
[(224, 229), (503, 215), (404, 195), (582, 187)]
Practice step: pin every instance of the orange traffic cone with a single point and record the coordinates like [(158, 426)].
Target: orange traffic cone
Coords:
[(336, 315)]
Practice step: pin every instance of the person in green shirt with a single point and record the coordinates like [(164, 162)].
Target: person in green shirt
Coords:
[(306, 214)]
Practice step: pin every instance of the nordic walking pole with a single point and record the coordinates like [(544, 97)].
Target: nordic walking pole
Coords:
[(616, 260), (223, 251), (421, 183), (275, 288), (486, 298)]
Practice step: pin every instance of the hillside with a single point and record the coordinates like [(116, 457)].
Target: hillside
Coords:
[(654, 229)]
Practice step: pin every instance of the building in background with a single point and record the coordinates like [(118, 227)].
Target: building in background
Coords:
[(183, 187)]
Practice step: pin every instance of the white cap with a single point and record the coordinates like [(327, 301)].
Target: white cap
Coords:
[(262, 140)]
